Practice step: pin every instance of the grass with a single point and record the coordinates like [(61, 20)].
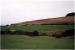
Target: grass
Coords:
[(40, 28), (39, 42)]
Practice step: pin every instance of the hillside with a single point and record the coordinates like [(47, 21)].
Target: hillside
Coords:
[(60, 20)]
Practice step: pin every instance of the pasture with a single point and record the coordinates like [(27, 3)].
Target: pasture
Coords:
[(38, 42), (40, 28)]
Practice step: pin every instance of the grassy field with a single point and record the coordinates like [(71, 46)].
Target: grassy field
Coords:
[(40, 28), (43, 27), (39, 42)]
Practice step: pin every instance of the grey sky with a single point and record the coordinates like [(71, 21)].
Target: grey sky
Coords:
[(14, 11)]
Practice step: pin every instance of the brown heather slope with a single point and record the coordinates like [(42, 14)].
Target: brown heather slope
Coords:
[(60, 20)]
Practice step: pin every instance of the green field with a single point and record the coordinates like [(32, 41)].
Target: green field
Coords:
[(40, 28), (39, 42)]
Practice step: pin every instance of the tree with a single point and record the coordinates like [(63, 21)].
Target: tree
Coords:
[(71, 14)]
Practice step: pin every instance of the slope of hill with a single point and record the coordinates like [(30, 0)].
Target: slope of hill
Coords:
[(60, 20)]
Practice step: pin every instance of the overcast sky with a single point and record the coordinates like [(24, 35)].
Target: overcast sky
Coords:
[(14, 11)]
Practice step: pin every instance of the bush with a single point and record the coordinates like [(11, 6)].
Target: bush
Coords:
[(71, 14)]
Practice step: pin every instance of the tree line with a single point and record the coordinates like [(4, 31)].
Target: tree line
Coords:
[(36, 33)]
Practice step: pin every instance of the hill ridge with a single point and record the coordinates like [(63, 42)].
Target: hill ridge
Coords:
[(60, 20)]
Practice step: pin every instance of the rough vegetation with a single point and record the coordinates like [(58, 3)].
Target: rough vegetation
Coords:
[(70, 14), (57, 34)]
